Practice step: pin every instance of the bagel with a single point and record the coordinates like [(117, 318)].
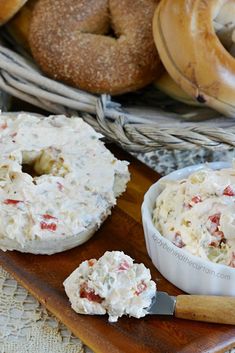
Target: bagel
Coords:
[(192, 52), (167, 85), (8, 9), (18, 26), (58, 182), (99, 46)]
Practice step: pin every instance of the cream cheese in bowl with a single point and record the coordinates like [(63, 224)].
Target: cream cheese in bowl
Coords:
[(188, 219), (197, 213)]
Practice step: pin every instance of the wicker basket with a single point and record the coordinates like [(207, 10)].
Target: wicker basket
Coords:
[(143, 122)]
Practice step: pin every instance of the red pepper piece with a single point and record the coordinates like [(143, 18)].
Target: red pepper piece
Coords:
[(178, 240), (123, 266), (91, 262), (48, 226), (48, 216), (196, 199), (214, 227), (140, 288), (11, 202), (220, 239), (214, 244), (228, 191), (215, 218), (88, 293)]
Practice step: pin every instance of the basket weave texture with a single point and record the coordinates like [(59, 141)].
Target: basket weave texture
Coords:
[(140, 122)]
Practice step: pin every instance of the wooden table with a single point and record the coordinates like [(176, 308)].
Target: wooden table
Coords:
[(43, 277)]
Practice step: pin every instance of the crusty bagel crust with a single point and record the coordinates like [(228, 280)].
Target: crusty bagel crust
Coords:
[(18, 26), (71, 41), (8, 8), (193, 54)]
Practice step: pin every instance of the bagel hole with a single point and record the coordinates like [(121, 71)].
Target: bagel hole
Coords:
[(29, 169), (224, 26), (29, 159), (43, 162), (111, 33)]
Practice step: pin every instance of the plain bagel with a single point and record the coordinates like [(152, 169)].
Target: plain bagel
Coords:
[(100, 46), (8, 9), (192, 51), (18, 26)]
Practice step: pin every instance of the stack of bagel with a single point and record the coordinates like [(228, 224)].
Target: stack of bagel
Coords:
[(118, 46)]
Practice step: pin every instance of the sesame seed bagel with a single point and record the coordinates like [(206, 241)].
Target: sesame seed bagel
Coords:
[(100, 46)]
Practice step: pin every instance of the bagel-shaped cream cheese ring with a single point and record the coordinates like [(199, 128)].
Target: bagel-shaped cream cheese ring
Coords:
[(72, 42), (73, 184), (192, 52), (8, 9)]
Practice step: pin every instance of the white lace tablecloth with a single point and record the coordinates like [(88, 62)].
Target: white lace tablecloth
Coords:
[(27, 327)]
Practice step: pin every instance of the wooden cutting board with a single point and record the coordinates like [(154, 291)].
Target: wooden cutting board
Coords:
[(43, 277)]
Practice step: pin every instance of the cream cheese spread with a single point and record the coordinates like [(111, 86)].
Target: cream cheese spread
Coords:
[(113, 284), (198, 214), (72, 184)]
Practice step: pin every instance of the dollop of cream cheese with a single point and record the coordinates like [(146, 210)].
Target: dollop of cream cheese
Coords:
[(73, 180), (198, 214), (113, 284)]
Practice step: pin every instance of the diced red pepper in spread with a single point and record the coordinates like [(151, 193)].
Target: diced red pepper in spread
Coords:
[(196, 199), (214, 244), (91, 262), (215, 222), (88, 293), (228, 191), (48, 226), (219, 240), (140, 288), (178, 240), (48, 216), (11, 202), (123, 266), (214, 229), (215, 218)]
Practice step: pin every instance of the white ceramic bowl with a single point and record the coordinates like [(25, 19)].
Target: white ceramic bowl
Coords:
[(188, 272)]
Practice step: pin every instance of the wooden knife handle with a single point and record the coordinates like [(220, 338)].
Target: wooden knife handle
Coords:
[(206, 308)]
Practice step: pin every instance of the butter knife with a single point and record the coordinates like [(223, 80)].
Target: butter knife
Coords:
[(217, 309)]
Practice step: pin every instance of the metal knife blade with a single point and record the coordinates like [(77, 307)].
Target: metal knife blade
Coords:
[(162, 304)]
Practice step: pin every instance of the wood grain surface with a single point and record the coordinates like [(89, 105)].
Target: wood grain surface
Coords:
[(43, 277)]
